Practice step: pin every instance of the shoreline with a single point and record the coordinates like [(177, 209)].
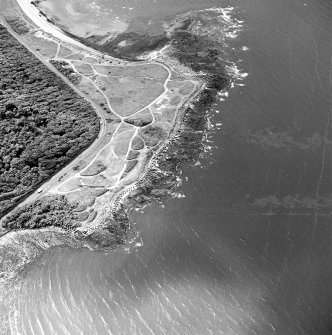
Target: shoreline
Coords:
[(96, 52), (50, 237), (158, 176), (40, 19), (106, 45), (28, 200)]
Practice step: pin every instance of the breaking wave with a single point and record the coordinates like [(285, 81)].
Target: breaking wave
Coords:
[(64, 302)]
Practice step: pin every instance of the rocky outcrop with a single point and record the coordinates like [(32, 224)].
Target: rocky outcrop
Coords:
[(20, 247), (203, 57)]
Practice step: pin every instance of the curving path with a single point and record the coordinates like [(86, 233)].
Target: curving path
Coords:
[(57, 184)]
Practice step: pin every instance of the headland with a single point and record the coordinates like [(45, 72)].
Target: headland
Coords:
[(150, 101)]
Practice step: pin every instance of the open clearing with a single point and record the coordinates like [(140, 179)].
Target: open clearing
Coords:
[(129, 95), (137, 105)]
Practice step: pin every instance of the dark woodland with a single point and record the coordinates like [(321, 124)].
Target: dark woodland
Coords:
[(44, 124)]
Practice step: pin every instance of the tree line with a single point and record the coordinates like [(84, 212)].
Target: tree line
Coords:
[(43, 123)]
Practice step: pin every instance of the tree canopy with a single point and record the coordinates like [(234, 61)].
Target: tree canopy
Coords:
[(43, 123)]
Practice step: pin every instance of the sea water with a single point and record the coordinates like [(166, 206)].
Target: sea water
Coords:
[(86, 18), (247, 247)]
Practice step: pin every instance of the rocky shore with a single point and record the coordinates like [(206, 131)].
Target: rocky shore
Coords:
[(204, 57), (186, 52)]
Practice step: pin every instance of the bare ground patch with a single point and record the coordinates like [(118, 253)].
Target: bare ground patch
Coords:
[(114, 168)]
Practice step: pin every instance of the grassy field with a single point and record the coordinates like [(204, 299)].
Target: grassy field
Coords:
[(138, 105)]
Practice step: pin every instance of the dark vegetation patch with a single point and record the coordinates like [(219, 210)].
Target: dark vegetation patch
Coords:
[(137, 143), (200, 53), (56, 211), (158, 183), (141, 120), (132, 154), (66, 69), (130, 165), (49, 211), (125, 45), (18, 25), (94, 169), (152, 135), (85, 197), (44, 124), (202, 56), (136, 44), (92, 215), (112, 234), (83, 216)]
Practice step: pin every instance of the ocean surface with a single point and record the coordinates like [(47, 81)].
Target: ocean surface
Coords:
[(247, 249)]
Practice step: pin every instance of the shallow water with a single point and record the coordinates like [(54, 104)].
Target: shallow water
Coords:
[(248, 250), (103, 16)]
